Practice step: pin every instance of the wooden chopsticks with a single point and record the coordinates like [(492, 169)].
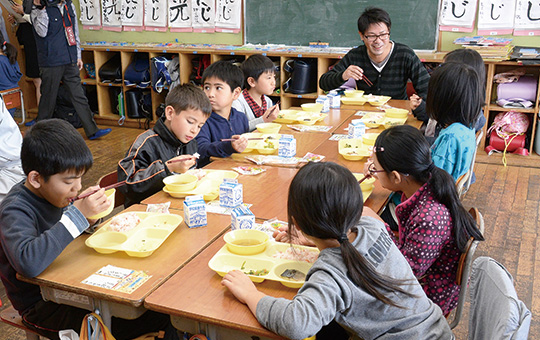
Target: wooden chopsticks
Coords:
[(195, 155), (233, 139), (115, 185), (364, 178), (367, 81)]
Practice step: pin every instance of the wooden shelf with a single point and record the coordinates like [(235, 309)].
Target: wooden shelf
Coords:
[(495, 107), (88, 81)]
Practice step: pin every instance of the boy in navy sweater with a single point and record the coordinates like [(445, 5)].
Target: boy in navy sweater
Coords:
[(38, 220), (222, 83)]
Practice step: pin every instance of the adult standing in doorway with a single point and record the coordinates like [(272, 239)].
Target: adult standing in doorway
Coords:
[(387, 64)]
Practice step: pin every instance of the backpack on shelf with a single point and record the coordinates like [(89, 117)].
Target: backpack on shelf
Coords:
[(508, 134), (199, 64), (138, 72), (160, 73)]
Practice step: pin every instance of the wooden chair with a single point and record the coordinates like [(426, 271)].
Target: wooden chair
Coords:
[(464, 182), (13, 98), (464, 268), (109, 179), (11, 317)]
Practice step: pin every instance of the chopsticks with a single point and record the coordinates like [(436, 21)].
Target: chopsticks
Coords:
[(115, 185), (367, 81), (195, 155), (364, 178)]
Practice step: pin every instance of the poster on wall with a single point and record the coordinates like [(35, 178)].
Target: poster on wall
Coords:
[(180, 16), (90, 14), (457, 16), (527, 19), (111, 15), (132, 15), (155, 15), (228, 16), (203, 14), (496, 17)]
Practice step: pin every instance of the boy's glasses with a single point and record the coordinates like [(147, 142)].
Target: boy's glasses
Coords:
[(372, 170), (373, 37)]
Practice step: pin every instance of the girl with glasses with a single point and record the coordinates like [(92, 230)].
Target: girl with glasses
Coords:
[(434, 227)]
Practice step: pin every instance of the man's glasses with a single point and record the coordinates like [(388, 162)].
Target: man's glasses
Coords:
[(373, 37)]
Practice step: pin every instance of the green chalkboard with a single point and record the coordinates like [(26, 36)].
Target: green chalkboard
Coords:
[(298, 22)]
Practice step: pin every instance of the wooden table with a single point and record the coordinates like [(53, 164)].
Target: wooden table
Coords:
[(399, 103), (62, 283), (335, 118), (266, 191), (197, 302)]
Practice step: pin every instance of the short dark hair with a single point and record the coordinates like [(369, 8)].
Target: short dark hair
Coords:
[(256, 65), (226, 71), (53, 146), (188, 96), (373, 15), (455, 94)]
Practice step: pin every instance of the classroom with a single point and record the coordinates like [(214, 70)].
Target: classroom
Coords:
[(199, 117)]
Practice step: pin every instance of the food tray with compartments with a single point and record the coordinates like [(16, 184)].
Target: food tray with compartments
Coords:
[(267, 146), (140, 241), (207, 185), (265, 265), (299, 116)]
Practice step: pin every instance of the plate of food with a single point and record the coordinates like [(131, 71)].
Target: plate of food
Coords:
[(373, 119), (137, 234), (353, 149)]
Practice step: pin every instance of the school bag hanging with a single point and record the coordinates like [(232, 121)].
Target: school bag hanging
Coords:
[(93, 328), (507, 134), (160, 73), (174, 72), (137, 73), (199, 64)]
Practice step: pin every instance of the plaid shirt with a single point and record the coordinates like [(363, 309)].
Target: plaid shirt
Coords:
[(402, 65), (257, 110)]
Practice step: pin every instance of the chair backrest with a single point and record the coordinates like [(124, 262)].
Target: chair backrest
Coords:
[(109, 179), (479, 136), (464, 268), (496, 312), (461, 182)]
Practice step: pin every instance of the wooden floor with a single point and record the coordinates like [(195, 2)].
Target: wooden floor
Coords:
[(509, 199)]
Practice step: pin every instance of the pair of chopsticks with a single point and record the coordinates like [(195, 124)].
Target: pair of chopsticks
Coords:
[(273, 108), (233, 139), (364, 178), (115, 185), (366, 80), (195, 155)]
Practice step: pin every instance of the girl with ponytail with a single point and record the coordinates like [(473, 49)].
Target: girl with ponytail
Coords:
[(360, 280), (434, 227), (10, 74)]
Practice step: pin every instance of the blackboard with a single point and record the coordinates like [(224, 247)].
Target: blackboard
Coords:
[(298, 22)]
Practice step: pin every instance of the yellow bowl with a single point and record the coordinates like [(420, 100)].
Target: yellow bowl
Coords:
[(182, 182), (389, 122), (360, 100), (312, 107), (369, 138), (396, 113), (354, 93), (110, 197), (272, 128), (367, 184), (378, 100), (246, 241)]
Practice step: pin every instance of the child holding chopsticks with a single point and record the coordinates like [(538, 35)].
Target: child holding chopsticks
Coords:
[(168, 148)]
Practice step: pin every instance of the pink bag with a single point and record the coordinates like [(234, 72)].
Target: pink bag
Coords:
[(508, 133)]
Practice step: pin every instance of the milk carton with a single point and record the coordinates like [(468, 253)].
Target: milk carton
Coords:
[(357, 128), (334, 99), (242, 218), (195, 211), (287, 146), (322, 99), (230, 193)]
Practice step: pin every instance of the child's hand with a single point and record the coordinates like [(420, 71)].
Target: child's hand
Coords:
[(354, 72), (271, 114), (18, 8), (239, 284), (240, 143), (93, 204), (415, 101), (181, 164), (282, 235)]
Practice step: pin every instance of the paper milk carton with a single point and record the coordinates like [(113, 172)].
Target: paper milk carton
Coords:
[(322, 99), (242, 218), (195, 211), (334, 99), (357, 128), (287, 146), (230, 193)]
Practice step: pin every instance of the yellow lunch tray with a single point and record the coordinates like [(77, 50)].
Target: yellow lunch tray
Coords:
[(140, 241), (353, 149), (373, 119), (300, 117), (377, 100), (358, 100), (389, 122), (208, 186), (261, 146), (225, 261), (286, 116)]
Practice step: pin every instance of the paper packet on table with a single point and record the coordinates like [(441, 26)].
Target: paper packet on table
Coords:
[(272, 159), (312, 157), (308, 128), (249, 170), (162, 208)]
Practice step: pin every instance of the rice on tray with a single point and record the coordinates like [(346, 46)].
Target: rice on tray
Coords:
[(297, 254), (124, 222)]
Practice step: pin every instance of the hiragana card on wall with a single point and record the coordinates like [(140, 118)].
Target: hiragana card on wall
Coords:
[(155, 15), (457, 15), (496, 17), (203, 14), (132, 15), (90, 14), (228, 16), (527, 19), (180, 16)]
